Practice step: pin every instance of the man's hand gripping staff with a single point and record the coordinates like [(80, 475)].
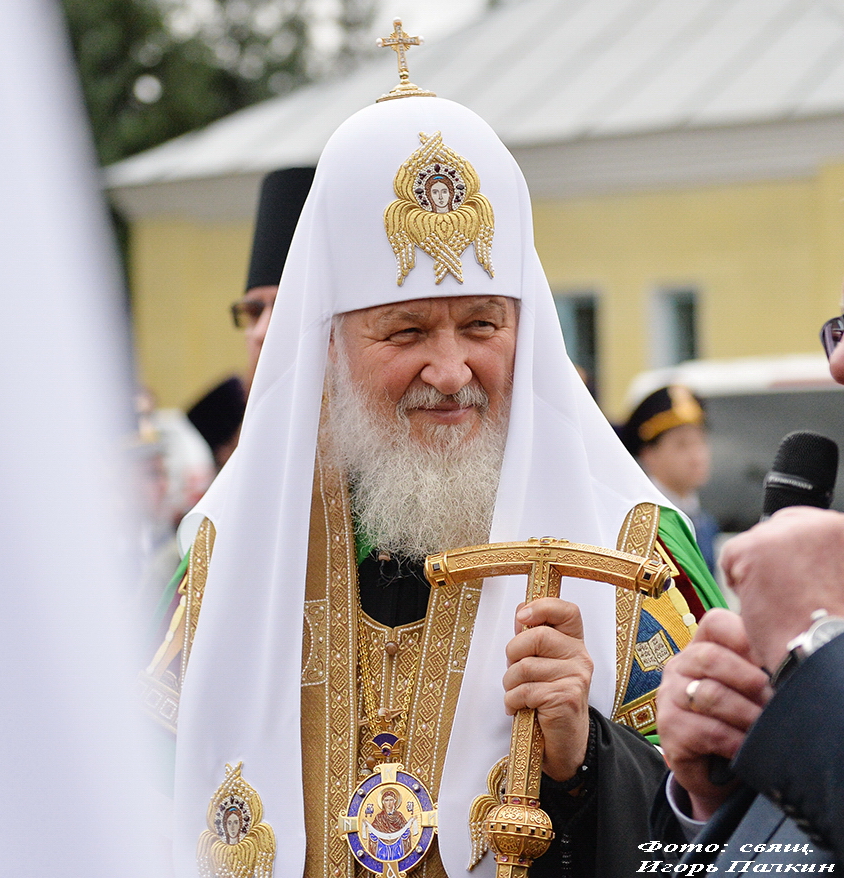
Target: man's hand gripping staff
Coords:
[(518, 830)]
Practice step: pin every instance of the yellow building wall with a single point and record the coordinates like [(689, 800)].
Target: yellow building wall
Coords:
[(184, 275), (766, 259), (831, 234)]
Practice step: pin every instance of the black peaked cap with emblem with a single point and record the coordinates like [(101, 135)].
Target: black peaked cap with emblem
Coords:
[(283, 194), (658, 412)]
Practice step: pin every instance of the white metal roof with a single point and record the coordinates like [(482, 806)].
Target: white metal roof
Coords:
[(545, 72)]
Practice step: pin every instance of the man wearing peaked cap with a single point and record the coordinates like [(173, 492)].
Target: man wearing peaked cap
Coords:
[(413, 395), (667, 434)]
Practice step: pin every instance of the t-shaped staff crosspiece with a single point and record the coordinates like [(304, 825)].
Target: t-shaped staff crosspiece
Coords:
[(518, 830), (400, 42)]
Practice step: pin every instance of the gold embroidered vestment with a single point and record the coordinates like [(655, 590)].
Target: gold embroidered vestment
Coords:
[(431, 658), (332, 737)]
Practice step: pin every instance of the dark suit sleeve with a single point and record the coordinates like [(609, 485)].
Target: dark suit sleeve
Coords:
[(794, 753), (598, 833)]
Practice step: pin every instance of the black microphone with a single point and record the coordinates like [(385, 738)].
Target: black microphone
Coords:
[(803, 473)]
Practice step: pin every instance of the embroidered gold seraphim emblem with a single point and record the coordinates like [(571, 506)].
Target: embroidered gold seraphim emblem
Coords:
[(236, 844), (439, 209)]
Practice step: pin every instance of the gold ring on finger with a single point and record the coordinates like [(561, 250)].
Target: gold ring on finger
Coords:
[(691, 691)]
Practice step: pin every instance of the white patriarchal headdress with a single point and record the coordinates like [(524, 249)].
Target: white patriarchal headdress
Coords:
[(565, 473)]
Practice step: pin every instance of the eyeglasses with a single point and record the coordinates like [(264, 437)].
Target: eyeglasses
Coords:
[(247, 312), (831, 333)]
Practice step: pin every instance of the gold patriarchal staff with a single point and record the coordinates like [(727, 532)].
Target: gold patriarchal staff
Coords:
[(518, 830)]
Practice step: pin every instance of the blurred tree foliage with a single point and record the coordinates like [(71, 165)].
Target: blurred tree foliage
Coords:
[(154, 69)]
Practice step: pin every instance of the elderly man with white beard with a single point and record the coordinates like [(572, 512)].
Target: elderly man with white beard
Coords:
[(411, 399), (420, 394)]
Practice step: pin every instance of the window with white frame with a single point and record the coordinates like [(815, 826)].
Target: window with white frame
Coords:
[(675, 326), (578, 314)]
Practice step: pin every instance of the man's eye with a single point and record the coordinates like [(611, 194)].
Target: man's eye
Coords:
[(247, 312), (405, 334)]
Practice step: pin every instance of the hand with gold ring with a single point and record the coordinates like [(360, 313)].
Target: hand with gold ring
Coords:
[(711, 694)]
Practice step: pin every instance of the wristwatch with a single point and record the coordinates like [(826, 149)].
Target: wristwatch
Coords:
[(823, 629)]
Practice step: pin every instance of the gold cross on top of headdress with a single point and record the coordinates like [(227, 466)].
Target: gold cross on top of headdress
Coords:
[(400, 42)]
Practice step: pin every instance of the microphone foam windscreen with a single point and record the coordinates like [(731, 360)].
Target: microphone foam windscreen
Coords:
[(804, 472)]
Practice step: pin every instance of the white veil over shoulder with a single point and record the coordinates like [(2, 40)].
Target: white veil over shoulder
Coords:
[(565, 475)]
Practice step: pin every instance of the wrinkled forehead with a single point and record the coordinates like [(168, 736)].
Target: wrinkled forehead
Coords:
[(380, 245), (457, 308)]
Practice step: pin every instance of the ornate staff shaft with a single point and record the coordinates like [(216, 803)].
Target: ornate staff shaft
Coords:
[(518, 830)]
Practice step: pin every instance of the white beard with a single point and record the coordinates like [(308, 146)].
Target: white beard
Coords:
[(408, 498)]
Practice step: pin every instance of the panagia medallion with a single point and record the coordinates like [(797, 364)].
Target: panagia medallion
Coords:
[(390, 822)]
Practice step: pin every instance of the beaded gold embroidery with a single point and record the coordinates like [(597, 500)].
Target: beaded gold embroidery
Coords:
[(334, 745), (638, 534), (439, 209), (237, 844)]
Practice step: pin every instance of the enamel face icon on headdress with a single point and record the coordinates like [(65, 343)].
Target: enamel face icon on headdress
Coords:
[(439, 209), (236, 842)]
